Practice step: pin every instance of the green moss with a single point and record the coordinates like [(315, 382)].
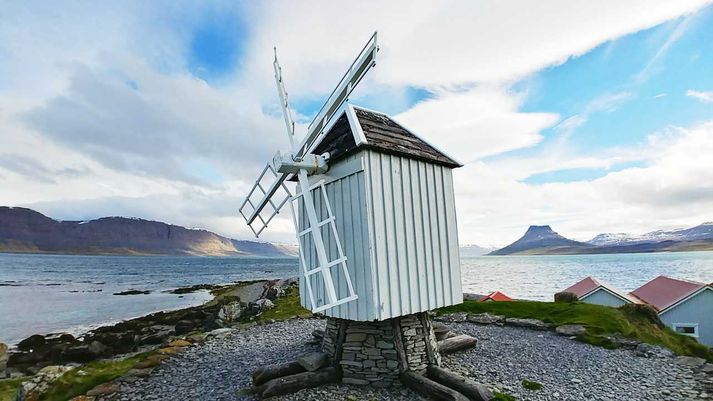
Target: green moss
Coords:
[(531, 385), (8, 388), (83, 378), (601, 322), (286, 307), (497, 396)]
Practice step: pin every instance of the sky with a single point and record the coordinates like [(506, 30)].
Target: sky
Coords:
[(589, 116)]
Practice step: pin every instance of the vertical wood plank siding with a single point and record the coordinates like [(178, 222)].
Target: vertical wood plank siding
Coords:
[(347, 197), (412, 225), (396, 220)]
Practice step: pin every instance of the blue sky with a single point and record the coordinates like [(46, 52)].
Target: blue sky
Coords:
[(559, 110)]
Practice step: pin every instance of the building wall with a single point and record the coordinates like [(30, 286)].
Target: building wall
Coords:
[(602, 297), (698, 309), (346, 191), (413, 235)]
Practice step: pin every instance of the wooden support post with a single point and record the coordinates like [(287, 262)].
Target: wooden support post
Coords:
[(457, 343), (338, 347), (399, 344), (471, 389), (431, 353), (290, 384), (430, 388), (268, 373)]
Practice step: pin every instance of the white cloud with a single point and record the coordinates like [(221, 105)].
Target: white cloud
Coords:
[(77, 138), (701, 96), (673, 188)]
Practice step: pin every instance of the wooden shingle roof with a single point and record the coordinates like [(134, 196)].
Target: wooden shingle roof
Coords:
[(378, 132)]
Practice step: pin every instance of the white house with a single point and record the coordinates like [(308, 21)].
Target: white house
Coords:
[(593, 291), (685, 306)]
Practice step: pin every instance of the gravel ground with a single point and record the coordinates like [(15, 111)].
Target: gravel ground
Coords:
[(568, 370)]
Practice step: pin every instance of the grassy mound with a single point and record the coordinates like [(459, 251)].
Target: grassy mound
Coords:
[(602, 322), (286, 307), (8, 388)]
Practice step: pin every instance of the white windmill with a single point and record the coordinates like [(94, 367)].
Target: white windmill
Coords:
[(302, 163), (377, 232)]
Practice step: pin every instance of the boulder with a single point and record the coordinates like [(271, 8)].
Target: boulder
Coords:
[(184, 327), (318, 334), (533, 324), (313, 361), (3, 360), (179, 343), (260, 306), (571, 330), (33, 389), (86, 352), (32, 342), (452, 317), (653, 351), (691, 361), (485, 318), (104, 389), (229, 314), (219, 333), (707, 368)]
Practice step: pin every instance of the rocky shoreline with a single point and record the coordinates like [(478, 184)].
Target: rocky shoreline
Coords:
[(232, 304)]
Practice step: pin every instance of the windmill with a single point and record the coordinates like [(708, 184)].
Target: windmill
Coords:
[(300, 163), (374, 216)]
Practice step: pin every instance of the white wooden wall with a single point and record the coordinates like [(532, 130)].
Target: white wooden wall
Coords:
[(396, 220)]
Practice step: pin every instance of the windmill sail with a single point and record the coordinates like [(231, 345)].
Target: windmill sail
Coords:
[(315, 226)]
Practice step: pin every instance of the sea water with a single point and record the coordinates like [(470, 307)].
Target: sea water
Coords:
[(41, 294)]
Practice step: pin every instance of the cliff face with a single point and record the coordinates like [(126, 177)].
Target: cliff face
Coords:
[(25, 230)]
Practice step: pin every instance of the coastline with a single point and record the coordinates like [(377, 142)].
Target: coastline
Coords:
[(231, 304)]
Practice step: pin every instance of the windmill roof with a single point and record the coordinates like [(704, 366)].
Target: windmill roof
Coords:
[(358, 128), (664, 292)]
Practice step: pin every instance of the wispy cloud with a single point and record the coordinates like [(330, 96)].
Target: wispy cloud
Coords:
[(674, 37), (701, 96)]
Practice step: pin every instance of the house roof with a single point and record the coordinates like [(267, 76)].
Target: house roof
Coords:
[(496, 296), (590, 284), (358, 128), (664, 292)]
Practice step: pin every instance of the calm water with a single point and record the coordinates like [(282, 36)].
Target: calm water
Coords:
[(47, 293)]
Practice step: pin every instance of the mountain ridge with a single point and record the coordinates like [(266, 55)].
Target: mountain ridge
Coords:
[(542, 240), (24, 230)]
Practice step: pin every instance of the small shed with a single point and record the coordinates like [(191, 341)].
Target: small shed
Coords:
[(685, 306), (391, 195), (593, 291)]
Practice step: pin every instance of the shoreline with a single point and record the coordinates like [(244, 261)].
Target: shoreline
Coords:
[(230, 305)]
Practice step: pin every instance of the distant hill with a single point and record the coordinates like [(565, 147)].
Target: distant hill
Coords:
[(27, 231), (541, 240), (471, 250), (697, 233)]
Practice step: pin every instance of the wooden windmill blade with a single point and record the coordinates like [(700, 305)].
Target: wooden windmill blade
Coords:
[(301, 163)]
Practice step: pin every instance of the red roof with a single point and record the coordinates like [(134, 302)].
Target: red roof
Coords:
[(662, 292), (496, 296), (584, 287)]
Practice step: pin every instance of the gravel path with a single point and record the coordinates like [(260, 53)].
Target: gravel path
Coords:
[(568, 370)]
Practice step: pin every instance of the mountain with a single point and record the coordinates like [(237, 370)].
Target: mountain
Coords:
[(25, 230), (540, 239), (697, 233), (471, 250)]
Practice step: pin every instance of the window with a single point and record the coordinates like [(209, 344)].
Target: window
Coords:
[(688, 329)]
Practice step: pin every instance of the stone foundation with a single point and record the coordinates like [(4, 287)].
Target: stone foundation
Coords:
[(375, 353)]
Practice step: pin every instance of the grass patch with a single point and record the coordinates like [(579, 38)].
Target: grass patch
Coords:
[(8, 388), (601, 323), (531, 385), (286, 307), (83, 378), (498, 396)]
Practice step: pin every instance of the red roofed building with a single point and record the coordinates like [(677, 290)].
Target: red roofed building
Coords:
[(685, 306), (593, 291), (496, 296)]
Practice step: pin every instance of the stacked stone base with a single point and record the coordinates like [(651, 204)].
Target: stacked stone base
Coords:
[(375, 353)]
